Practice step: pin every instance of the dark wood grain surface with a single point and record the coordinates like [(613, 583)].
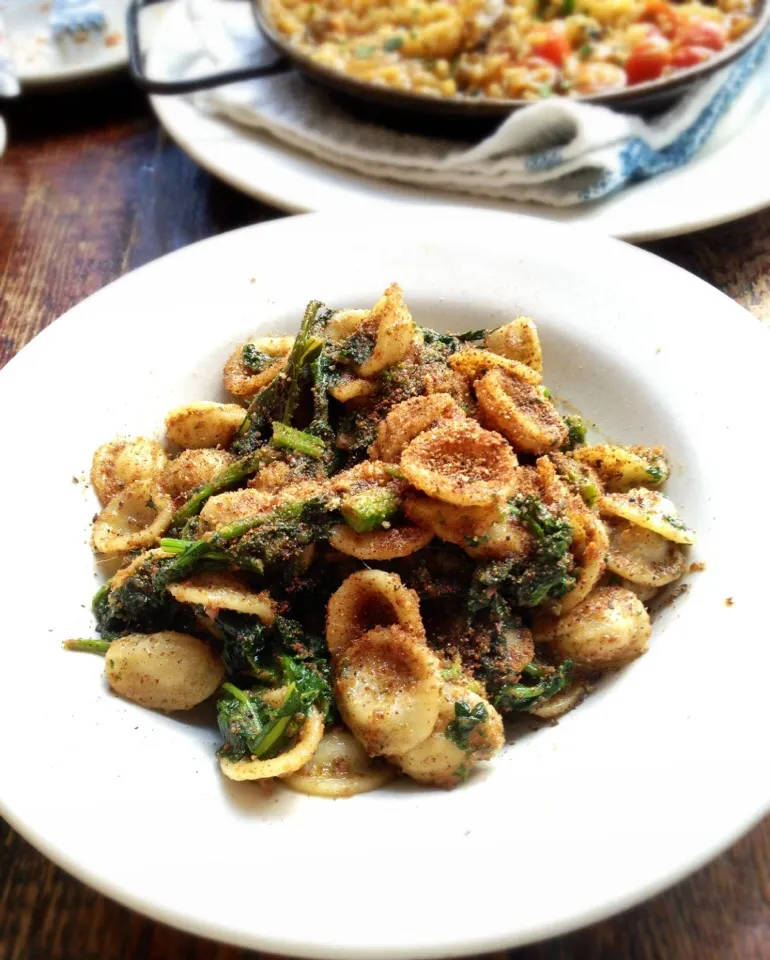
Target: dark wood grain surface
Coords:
[(89, 189)]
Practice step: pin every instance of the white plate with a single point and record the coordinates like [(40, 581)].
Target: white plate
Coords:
[(727, 180), (656, 773), (41, 63)]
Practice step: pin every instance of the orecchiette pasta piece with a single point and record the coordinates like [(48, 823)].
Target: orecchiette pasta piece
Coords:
[(340, 768), (521, 412), (163, 671), (224, 591), (591, 557), (308, 739), (379, 544), (272, 477), (395, 331), (445, 380), (645, 594), (241, 380), (225, 508), (460, 462), (120, 463), (480, 531), (474, 364), (368, 599), (134, 518), (125, 573), (621, 468), (561, 702), (407, 420), (204, 424), (353, 388), (648, 509), (643, 556), (387, 689), (364, 476), (344, 323), (191, 469), (609, 628), (445, 761), (517, 340)]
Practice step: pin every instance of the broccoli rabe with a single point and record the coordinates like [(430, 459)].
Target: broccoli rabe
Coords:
[(289, 438), (538, 683), (254, 360), (465, 721), (141, 604), (370, 509), (576, 432), (547, 573)]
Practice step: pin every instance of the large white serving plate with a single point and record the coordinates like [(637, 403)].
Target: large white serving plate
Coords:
[(656, 773), (726, 180)]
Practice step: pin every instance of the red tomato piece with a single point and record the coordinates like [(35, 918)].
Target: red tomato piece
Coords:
[(703, 33), (648, 60), (555, 48), (689, 56)]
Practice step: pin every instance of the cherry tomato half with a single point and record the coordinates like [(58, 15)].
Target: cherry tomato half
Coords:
[(648, 60), (703, 33), (689, 56), (555, 48)]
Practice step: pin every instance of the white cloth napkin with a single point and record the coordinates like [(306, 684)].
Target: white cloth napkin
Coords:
[(9, 82), (555, 152)]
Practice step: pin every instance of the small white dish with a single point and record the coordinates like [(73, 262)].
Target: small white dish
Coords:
[(653, 775), (40, 62), (728, 179)]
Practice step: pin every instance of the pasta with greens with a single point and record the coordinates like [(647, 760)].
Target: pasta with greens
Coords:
[(388, 544)]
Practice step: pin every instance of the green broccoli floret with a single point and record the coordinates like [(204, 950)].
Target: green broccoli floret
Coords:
[(466, 720)]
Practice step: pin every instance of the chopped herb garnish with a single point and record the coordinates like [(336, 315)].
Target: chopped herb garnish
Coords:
[(364, 51), (586, 51), (393, 43)]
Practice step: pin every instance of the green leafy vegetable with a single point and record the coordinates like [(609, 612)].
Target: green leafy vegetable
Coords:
[(576, 432), (466, 720), (538, 683), (393, 43), (87, 646), (255, 360)]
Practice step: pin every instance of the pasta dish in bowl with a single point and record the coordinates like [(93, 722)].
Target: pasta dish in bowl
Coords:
[(387, 544)]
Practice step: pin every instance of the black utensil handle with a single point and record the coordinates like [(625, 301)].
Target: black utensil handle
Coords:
[(136, 64)]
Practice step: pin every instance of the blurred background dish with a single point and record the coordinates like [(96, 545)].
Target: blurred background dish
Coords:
[(707, 191), (40, 62)]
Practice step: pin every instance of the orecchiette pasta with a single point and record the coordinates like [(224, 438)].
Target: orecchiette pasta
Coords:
[(387, 686), (395, 330), (517, 340), (119, 463), (648, 509), (368, 599), (285, 764), (473, 364), (621, 468), (407, 420), (136, 517), (445, 760), (267, 356), (643, 556), (191, 469), (204, 424), (609, 628), (163, 671), (379, 544), (357, 565), (224, 591), (340, 768), (520, 412), (461, 463)]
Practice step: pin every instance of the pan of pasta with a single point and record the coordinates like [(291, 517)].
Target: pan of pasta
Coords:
[(483, 59), (390, 542)]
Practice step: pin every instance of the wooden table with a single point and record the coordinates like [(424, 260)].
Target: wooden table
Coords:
[(90, 189)]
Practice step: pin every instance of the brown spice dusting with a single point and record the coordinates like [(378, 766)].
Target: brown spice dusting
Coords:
[(729, 602)]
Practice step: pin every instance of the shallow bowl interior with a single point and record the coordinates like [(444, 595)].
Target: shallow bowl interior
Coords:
[(624, 788)]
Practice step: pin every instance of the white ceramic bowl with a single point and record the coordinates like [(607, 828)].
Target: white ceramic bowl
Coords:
[(653, 775)]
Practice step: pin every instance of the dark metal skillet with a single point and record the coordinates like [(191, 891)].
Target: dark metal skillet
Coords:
[(390, 103)]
